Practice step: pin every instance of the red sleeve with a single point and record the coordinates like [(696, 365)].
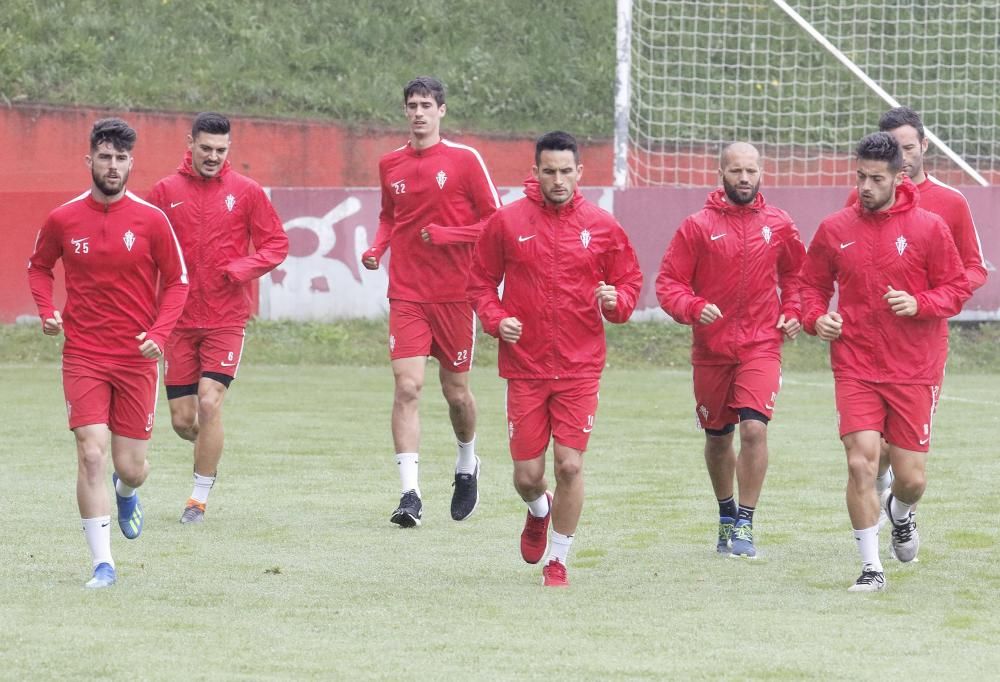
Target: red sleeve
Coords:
[(485, 201), (48, 249), (155, 196), (166, 252), (790, 260), (386, 221), (673, 283), (817, 281), (970, 249), (622, 271), (485, 275), (949, 287), (269, 241)]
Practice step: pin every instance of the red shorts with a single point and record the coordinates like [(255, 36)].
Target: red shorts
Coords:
[(721, 390), (121, 395), (902, 413), (538, 409), (445, 330), (191, 353)]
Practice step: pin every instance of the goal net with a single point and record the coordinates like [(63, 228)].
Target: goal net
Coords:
[(705, 72)]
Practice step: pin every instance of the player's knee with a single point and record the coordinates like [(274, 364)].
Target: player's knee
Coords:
[(407, 390), (568, 468), (91, 460), (185, 426), (526, 480), (752, 433), (860, 468), (209, 410), (132, 474)]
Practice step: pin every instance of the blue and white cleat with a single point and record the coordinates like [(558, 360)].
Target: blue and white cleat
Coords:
[(725, 541), (129, 512), (743, 540), (104, 576)]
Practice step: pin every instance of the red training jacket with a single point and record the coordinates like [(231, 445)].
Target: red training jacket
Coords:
[(952, 206), (865, 253), (217, 219), (113, 258), (551, 261), (737, 257), (447, 189)]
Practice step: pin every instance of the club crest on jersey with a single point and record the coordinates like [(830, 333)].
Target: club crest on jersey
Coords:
[(703, 413), (441, 178), (585, 238), (129, 240), (901, 244), (766, 233), (230, 202)]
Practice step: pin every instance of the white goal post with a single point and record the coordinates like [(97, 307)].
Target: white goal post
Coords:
[(802, 83)]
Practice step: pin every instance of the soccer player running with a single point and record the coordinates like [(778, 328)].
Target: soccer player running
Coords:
[(905, 125), (115, 248), (731, 270), (436, 196), (565, 265), (230, 235), (899, 278)]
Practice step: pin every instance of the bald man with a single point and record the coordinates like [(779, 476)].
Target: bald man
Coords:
[(732, 272)]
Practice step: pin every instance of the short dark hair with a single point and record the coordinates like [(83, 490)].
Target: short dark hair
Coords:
[(114, 130), (427, 86), (881, 147), (556, 141), (211, 123), (899, 117)]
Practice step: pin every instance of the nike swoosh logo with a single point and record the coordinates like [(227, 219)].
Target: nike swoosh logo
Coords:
[(105, 525), (924, 441), (175, 204), (227, 364), (768, 407), (458, 362), (522, 238), (148, 429), (844, 246), (588, 430), (719, 236)]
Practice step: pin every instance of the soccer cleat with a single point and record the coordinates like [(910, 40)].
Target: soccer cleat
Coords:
[(465, 497), (409, 511), (104, 576), (535, 535), (905, 541), (869, 581), (129, 512), (743, 540), (725, 534), (554, 574), (194, 512)]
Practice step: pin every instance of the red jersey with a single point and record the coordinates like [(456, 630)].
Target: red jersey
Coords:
[(217, 221), (113, 256), (447, 189), (551, 260), (745, 260), (952, 206), (865, 253)]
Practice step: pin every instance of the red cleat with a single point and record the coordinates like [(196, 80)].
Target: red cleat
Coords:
[(535, 536), (554, 575)]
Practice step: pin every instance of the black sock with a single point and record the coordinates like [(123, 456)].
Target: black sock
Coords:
[(727, 507), (745, 514)]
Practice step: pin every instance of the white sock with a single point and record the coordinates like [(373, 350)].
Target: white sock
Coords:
[(124, 490), (539, 508), (408, 466), (899, 510), (466, 462), (867, 539), (883, 482), (98, 533), (559, 547), (202, 484)]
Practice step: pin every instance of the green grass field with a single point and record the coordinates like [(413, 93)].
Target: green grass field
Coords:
[(298, 573)]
